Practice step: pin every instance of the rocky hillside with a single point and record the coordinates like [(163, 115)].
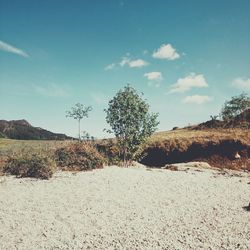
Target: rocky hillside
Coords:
[(22, 130)]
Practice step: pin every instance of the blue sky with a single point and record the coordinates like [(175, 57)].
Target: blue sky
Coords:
[(187, 57)]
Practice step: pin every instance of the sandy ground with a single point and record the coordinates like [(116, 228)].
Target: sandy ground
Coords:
[(126, 208)]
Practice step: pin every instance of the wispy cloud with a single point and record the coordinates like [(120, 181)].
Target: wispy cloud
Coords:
[(241, 83), (110, 66), (197, 99), (138, 63), (51, 90), (166, 51), (154, 77), (9, 48), (191, 81), (127, 61)]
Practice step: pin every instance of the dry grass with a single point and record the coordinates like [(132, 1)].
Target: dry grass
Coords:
[(8, 146), (188, 136)]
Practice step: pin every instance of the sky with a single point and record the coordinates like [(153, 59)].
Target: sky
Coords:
[(187, 57)]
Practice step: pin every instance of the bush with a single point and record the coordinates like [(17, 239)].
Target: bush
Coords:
[(2, 163), (31, 164), (79, 156), (110, 150)]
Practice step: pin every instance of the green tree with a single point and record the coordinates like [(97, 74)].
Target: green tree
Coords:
[(129, 118), (235, 106), (78, 112)]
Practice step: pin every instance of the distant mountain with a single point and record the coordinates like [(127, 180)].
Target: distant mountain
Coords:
[(22, 130)]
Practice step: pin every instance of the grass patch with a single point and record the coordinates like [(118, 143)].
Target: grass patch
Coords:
[(10, 146), (187, 136)]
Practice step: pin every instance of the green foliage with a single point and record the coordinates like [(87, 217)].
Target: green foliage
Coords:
[(30, 164), (235, 106), (129, 118), (78, 112), (79, 156)]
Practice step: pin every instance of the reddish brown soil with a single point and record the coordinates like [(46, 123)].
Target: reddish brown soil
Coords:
[(219, 154)]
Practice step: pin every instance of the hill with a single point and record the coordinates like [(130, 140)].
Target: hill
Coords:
[(22, 130), (240, 121)]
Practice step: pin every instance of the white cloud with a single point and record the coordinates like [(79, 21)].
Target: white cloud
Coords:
[(51, 90), (241, 83), (191, 81), (138, 63), (166, 51), (154, 76), (197, 99), (124, 61), (9, 48), (110, 66)]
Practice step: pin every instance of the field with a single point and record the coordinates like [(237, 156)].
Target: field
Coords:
[(181, 135), (8, 146), (161, 145)]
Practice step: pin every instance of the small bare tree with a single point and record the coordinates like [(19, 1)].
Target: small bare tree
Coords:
[(78, 112)]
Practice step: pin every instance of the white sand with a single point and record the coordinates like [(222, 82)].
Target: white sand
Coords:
[(117, 208)]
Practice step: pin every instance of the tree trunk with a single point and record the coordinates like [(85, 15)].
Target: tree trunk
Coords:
[(79, 130), (125, 157)]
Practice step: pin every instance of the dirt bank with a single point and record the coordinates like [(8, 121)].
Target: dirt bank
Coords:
[(227, 153)]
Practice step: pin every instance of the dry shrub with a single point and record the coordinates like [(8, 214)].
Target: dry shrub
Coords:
[(110, 150), (2, 163), (1, 171), (78, 157), (30, 164)]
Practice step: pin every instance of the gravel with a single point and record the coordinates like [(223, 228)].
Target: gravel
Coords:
[(126, 208)]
